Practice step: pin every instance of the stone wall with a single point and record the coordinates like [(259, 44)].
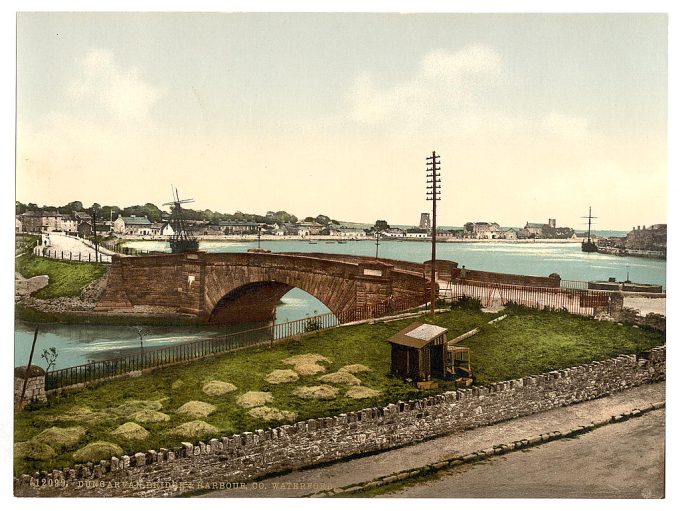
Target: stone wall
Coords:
[(651, 320), (239, 458), (35, 386), (506, 278)]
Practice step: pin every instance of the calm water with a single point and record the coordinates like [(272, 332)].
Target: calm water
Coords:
[(77, 344)]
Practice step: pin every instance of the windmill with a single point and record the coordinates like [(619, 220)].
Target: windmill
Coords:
[(180, 241)]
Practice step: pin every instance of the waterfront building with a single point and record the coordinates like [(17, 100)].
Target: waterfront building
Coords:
[(132, 225), (652, 238), (416, 232), (485, 230)]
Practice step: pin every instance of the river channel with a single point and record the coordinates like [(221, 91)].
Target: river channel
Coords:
[(78, 344)]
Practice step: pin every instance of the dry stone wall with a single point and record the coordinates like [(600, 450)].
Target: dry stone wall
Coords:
[(228, 461)]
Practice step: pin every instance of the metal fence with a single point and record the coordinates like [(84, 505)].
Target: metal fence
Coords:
[(158, 357), (574, 300)]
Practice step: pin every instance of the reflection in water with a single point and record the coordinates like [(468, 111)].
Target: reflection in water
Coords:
[(79, 344)]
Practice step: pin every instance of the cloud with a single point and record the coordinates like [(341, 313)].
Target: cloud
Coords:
[(445, 81), (121, 93)]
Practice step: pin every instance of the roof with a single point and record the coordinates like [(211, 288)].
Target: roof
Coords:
[(417, 335), (530, 224), (136, 220), (237, 223)]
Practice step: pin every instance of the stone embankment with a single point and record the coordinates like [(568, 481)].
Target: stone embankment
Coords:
[(86, 302)]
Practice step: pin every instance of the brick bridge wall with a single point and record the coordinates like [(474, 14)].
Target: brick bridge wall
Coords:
[(171, 472), (247, 286)]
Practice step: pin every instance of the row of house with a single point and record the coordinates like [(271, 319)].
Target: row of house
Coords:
[(492, 230), (36, 222)]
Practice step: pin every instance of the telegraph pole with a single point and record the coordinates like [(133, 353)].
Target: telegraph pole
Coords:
[(377, 242), (94, 231), (433, 194)]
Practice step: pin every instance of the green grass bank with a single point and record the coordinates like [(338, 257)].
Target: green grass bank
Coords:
[(527, 342), (66, 278)]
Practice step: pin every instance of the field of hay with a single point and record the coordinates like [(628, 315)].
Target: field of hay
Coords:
[(338, 370)]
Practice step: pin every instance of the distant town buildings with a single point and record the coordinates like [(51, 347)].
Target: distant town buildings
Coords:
[(51, 221), (547, 230), (640, 241), (133, 226)]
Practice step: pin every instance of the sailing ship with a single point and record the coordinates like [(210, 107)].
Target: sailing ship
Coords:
[(180, 241), (589, 245)]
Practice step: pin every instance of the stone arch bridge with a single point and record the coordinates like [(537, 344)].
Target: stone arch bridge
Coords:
[(244, 287)]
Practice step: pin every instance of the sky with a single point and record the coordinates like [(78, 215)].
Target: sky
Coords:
[(534, 116)]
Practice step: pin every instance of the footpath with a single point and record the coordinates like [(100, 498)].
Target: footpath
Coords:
[(417, 459)]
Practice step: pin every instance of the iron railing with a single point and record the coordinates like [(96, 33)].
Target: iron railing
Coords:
[(158, 357), (574, 300)]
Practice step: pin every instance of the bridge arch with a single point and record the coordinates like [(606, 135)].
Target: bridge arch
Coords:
[(251, 292), (256, 301)]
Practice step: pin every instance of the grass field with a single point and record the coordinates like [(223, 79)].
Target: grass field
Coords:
[(66, 278), (526, 342)]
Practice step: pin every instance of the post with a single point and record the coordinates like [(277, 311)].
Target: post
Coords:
[(28, 368), (433, 194), (94, 232)]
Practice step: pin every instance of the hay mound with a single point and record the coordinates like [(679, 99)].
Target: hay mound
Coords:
[(149, 416), (196, 409), (307, 358), (272, 414), (133, 406), (253, 399), (218, 388), (355, 368), (341, 378), (61, 437), (131, 431), (322, 392), (282, 376), (361, 392), (80, 414), (309, 369), (33, 450), (97, 451), (176, 384), (193, 429)]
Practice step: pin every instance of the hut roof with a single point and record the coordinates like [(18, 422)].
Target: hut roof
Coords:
[(417, 335)]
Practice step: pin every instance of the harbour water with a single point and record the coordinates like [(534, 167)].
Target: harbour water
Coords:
[(77, 344)]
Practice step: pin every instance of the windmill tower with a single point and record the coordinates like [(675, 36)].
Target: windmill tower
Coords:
[(181, 240)]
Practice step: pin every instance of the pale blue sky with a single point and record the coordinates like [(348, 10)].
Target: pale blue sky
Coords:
[(535, 116)]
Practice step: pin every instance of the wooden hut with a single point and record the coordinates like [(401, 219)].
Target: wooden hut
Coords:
[(419, 352)]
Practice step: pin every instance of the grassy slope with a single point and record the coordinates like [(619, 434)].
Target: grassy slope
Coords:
[(66, 278), (531, 341), (525, 343)]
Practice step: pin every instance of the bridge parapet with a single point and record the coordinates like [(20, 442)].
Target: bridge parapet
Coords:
[(238, 287)]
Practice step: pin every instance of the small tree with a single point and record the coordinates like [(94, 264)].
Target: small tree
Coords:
[(141, 332), (381, 225), (50, 355)]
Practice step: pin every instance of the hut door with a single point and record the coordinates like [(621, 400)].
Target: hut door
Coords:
[(437, 361)]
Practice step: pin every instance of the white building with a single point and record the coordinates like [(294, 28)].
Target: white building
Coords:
[(133, 226)]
